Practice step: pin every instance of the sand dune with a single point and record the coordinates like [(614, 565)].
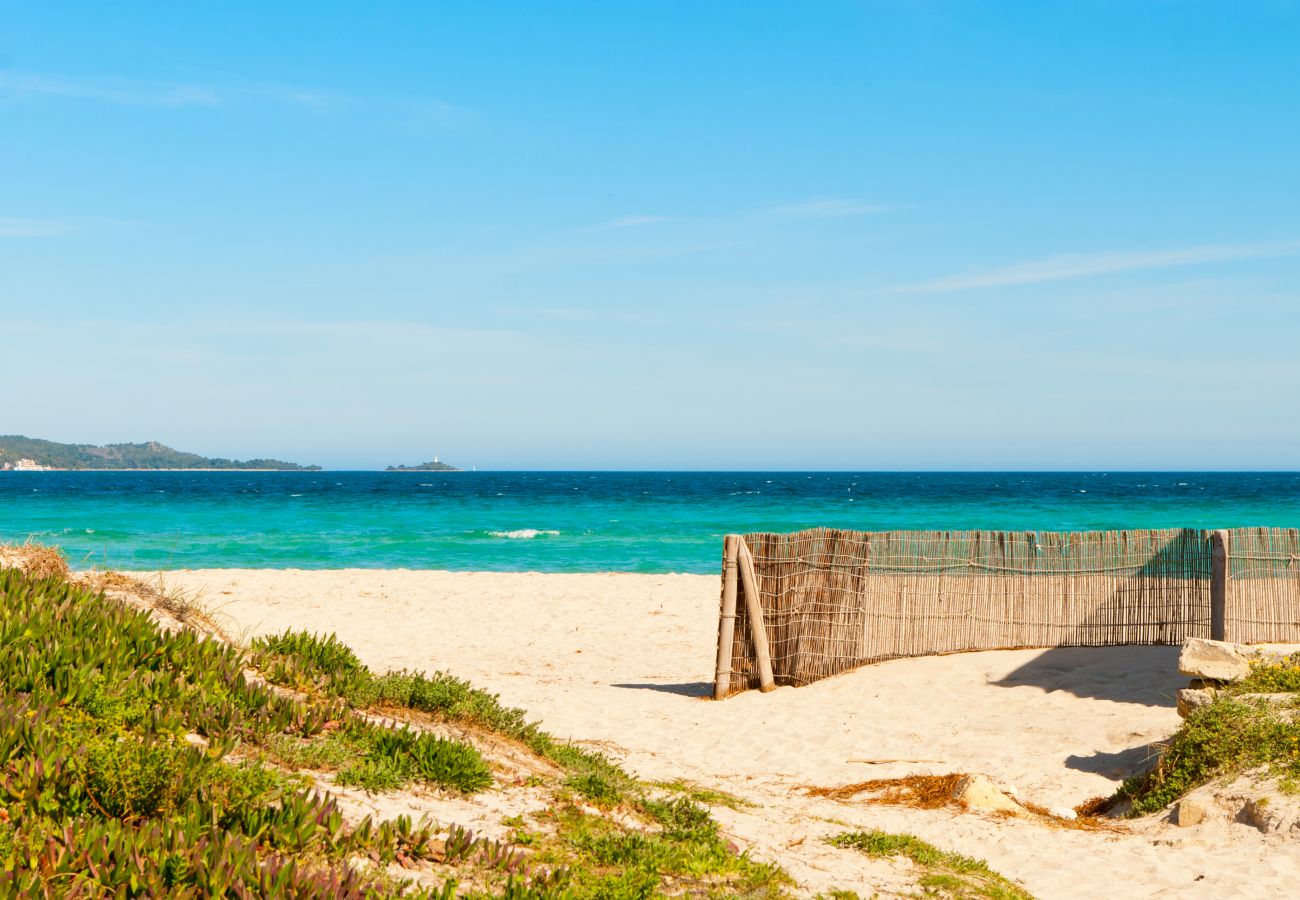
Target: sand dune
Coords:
[(623, 662)]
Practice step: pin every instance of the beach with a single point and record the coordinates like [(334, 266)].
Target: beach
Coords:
[(623, 663)]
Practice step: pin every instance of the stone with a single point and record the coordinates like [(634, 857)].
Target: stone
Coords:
[(1213, 660), (1062, 812), (1193, 698), (977, 792), (1257, 813), (1273, 813), (1189, 812)]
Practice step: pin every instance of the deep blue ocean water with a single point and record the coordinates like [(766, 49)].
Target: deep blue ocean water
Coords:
[(577, 521)]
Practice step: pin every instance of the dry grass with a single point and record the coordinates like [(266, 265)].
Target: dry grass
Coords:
[(34, 559), (940, 791), (1094, 807), (918, 791), (171, 605)]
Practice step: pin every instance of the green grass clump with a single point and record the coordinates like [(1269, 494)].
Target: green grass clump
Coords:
[(389, 758), (706, 796), (687, 855), (1228, 736), (944, 874), (308, 661), (379, 758)]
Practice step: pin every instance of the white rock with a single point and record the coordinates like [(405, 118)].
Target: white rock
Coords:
[(977, 792), (1215, 660), (1063, 812)]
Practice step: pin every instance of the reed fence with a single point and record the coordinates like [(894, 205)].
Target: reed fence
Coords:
[(804, 606)]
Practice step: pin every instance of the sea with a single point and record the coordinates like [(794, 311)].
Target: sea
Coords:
[(653, 522)]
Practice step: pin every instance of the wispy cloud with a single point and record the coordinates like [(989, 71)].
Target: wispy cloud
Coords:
[(418, 112), (109, 90), (827, 208), (1064, 268), (32, 228)]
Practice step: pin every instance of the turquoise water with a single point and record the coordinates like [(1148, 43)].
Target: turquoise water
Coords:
[(577, 521)]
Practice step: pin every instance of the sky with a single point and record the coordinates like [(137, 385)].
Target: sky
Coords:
[(668, 235)]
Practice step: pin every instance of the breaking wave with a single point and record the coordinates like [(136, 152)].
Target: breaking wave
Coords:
[(523, 533)]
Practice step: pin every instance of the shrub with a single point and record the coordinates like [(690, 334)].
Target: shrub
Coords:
[(1228, 736)]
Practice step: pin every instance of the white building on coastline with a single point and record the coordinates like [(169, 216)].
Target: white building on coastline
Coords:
[(25, 465)]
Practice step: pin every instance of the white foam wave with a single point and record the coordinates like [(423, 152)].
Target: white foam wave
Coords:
[(523, 533)]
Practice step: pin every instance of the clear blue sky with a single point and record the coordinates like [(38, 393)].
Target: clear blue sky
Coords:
[(656, 235)]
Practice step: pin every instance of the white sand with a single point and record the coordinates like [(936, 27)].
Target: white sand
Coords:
[(623, 662)]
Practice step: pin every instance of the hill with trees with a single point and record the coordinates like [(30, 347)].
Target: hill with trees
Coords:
[(149, 455)]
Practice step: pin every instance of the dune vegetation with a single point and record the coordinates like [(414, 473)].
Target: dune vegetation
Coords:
[(1241, 730), (940, 873), (142, 761)]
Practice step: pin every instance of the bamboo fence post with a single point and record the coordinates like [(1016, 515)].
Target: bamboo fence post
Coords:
[(726, 618), (1219, 585), (754, 607)]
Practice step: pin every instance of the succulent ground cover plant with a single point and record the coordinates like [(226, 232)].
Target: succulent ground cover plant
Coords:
[(679, 851), (120, 769), (140, 762)]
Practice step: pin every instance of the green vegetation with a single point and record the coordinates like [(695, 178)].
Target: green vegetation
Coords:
[(150, 455), (138, 763), (130, 763), (706, 796), (323, 664), (1231, 735), (680, 852), (433, 466), (686, 856), (1281, 676), (944, 874), (382, 759)]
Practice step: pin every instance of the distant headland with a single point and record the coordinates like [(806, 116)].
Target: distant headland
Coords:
[(19, 453), (435, 466)]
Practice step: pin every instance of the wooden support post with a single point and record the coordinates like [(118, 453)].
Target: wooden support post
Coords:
[(1219, 585), (754, 607), (726, 618)]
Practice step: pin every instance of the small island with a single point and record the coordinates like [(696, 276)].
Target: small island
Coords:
[(19, 453), (435, 466)]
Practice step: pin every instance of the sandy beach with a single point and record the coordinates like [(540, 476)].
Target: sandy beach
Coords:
[(623, 663)]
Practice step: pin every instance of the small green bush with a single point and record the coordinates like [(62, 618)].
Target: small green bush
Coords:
[(1229, 735), (325, 654), (449, 763)]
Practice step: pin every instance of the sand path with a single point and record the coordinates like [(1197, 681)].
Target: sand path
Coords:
[(624, 662)]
